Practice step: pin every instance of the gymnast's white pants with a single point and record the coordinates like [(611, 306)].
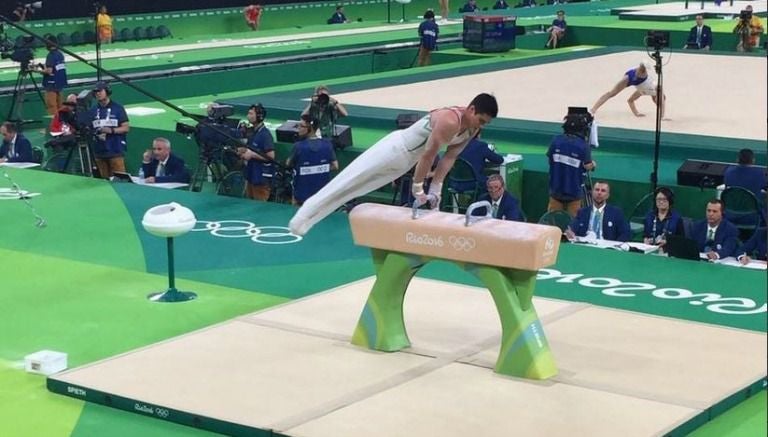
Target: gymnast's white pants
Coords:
[(381, 164)]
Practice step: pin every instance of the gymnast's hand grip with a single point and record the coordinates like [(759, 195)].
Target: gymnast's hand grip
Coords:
[(419, 201), (469, 219)]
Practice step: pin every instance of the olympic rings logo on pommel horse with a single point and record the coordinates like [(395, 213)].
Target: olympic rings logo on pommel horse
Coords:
[(246, 229), (462, 243)]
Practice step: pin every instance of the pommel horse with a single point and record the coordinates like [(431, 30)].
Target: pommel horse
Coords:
[(504, 255)]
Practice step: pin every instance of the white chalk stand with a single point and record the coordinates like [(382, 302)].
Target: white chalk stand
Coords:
[(169, 220), (403, 3)]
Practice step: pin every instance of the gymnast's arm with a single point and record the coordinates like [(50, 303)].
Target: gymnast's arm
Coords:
[(446, 162), (444, 126), (631, 101)]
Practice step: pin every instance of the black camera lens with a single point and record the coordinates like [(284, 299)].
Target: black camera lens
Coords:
[(323, 99)]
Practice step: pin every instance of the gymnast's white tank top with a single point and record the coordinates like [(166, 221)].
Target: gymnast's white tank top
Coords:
[(415, 136)]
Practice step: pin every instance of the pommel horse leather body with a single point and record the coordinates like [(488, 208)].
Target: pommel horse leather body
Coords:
[(504, 255)]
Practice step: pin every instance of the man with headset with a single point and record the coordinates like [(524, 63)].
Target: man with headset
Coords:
[(110, 124), (258, 155)]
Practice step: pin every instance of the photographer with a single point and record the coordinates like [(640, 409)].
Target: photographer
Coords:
[(24, 10), (257, 154), (749, 28), (54, 76), (325, 109), (313, 160), (110, 124), (569, 157)]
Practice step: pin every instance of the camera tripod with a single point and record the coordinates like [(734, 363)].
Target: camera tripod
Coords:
[(81, 163), (208, 164), (15, 112)]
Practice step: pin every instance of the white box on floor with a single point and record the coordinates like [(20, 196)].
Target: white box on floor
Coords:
[(45, 362)]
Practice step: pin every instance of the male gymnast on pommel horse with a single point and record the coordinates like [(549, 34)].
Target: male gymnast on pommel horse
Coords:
[(396, 153)]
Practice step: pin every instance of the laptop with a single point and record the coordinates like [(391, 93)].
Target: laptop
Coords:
[(119, 176), (681, 247)]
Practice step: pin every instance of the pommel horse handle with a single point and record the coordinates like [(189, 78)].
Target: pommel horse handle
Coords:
[(417, 205), (468, 220)]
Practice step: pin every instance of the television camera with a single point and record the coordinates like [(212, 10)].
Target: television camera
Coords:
[(29, 7), (217, 135), (657, 39), (20, 52), (578, 122), (745, 15), (76, 126)]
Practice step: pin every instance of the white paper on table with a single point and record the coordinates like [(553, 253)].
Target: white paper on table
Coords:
[(19, 164), (733, 262)]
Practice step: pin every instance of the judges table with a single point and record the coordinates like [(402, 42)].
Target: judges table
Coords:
[(652, 249)]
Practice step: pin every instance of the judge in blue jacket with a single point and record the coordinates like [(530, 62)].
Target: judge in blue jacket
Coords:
[(162, 166), (504, 205), (607, 222), (716, 237), (15, 148), (700, 36)]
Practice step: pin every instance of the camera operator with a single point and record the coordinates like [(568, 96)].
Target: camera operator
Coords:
[(54, 75), (260, 146), (160, 165), (110, 124), (749, 28), (23, 11), (15, 148), (569, 157), (313, 160), (325, 109)]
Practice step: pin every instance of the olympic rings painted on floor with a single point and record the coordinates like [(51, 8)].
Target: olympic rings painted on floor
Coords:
[(246, 229)]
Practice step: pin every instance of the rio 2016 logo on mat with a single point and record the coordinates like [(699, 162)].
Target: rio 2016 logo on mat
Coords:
[(246, 229), (617, 288)]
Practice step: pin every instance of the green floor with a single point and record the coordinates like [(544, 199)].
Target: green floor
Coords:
[(79, 286)]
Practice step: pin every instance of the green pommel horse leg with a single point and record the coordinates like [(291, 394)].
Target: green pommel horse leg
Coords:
[(381, 325), (524, 349)]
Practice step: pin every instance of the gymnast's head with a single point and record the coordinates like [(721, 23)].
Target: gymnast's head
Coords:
[(481, 110), (642, 69)]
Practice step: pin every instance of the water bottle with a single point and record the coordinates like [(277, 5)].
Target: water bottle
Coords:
[(141, 173)]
